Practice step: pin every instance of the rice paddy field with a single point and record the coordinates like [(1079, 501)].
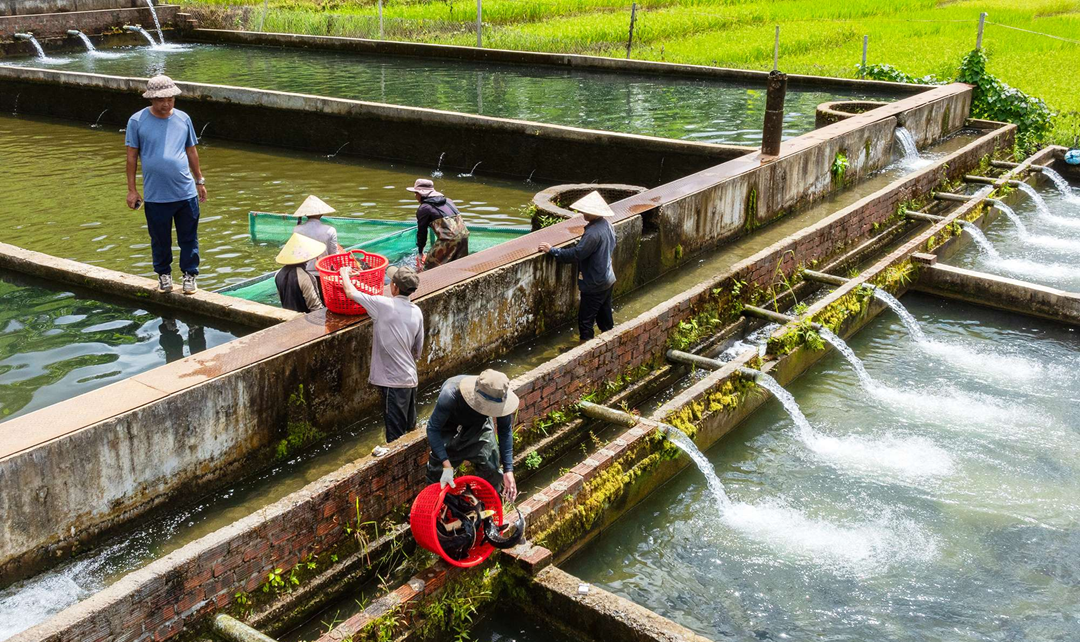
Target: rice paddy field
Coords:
[(919, 37)]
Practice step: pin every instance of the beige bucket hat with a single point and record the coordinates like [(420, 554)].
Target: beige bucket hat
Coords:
[(489, 394), (592, 203), (161, 87), (424, 187), (300, 249), (313, 206)]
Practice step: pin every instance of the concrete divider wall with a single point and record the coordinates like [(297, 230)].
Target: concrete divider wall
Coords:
[(26, 7), (229, 403), (48, 27), (557, 383), (507, 147)]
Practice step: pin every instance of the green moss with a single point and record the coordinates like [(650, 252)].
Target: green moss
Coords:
[(751, 210), (448, 614), (867, 148), (678, 252), (299, 431)]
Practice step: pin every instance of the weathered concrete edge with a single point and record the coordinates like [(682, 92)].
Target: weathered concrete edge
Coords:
[(1002, 293), (293, 101), (599, 614), (140, 289), (510, 56)]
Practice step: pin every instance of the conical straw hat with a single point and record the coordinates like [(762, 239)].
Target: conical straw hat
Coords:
[(313, 206), (592, 203), (300, 249)]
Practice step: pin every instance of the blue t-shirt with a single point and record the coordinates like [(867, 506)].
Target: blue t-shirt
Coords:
[(162, 145)]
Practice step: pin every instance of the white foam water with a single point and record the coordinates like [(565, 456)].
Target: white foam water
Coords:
[(1040, 203), (843, 348), (911, 158), (1013, 216), (1060, 183), (157, 23), (984, 243), (860, 548), (685, 444)]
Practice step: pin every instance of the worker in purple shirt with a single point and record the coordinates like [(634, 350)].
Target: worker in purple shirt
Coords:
[(596, 277), (163, 138)]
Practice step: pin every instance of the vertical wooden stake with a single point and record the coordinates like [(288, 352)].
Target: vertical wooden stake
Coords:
[(381, 36), (630, 39), (865, 43), (982, 23)]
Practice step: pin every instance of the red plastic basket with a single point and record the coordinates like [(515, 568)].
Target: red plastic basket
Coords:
[(369, 281), (428, 504)]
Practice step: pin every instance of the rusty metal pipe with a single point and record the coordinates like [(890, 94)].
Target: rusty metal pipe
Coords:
[(768, 315), (773, 132), (234, 630)]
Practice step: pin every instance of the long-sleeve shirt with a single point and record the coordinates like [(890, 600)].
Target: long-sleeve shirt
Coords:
[(397, 339), (593, 256), (297, 290), (431, 209), (452, 411)]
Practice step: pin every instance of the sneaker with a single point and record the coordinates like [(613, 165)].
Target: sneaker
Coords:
[(164, 283), (189, 284), (379, 451)]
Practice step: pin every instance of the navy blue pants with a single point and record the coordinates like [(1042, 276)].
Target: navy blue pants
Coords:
[(595, 308), (159, 221)]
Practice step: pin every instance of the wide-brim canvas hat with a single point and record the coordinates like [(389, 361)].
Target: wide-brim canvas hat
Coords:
[(489, 394), (313, 206), (161, 87), (592, 203), (300, 249), (424, 187)]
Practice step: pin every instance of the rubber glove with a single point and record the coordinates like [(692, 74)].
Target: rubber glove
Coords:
[(447, 477)]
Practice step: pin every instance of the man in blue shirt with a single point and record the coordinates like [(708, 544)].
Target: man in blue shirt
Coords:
[(164, 139), (460, 429), (596, 278)]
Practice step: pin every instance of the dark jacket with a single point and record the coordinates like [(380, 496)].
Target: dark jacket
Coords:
[(432, 209), (593, 256), (452, 414)]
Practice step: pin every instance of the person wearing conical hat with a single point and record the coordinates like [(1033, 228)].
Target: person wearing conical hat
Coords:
[(297, 289), (441, 216), (313, 209), (596, 278)]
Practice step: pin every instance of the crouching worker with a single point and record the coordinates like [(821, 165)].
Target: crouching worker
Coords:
[(297, 289), (460, 429), (396, 343)]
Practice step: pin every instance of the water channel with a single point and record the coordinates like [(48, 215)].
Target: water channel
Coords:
[(44, 159), (29, 602), (1042, 244), (56, 343), (982, 549), (682, 108)]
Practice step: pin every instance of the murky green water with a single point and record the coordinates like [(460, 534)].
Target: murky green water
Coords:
[(66, 182), (691, 109), (1046, 252), (56, 344), (941, 506)]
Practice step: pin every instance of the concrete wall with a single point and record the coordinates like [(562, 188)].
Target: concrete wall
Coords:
[(24, 7), (576, 61), (507, 147), (51, 28), (227, 404), (181, 585)]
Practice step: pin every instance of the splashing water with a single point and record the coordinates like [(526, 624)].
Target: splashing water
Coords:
[(1013, 216), (984, 243), (157, 23), (1060, 183), (843, 348), (86, 41), (438, 167), (1040, 203), (687, 445), (804, 430), (146, 35), (470, 173), (911, 158), (908, 320), (37, 48)]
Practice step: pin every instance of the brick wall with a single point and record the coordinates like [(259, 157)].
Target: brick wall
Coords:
[(176, 591)]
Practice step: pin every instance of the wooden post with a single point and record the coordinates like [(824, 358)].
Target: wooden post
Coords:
[(773, 132), (865, 44), (380, 21), (263, 19), (982, 23), (479, 21), (776, 50), (630, 39)]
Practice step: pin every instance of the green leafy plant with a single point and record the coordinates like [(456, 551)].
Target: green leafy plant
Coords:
[(892, 74), (839, 167), (533, 460), (995, 100), (274, 581)]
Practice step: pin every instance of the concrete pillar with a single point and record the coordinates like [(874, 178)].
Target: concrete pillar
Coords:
[(773, 132)]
